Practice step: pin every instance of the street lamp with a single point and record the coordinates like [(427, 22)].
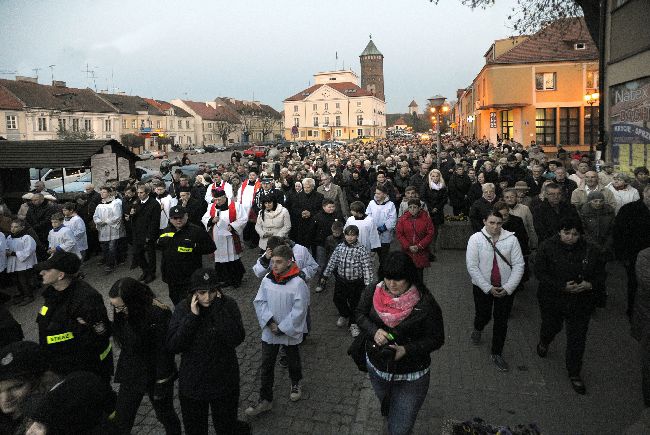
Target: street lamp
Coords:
[(591, 99), (437, 106)]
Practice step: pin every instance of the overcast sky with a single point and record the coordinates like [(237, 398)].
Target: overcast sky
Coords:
[(199, 50)]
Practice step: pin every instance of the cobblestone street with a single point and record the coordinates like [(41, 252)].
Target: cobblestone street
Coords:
[(464, 383)]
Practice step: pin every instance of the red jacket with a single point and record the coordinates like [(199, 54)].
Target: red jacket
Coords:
[(418, 231)]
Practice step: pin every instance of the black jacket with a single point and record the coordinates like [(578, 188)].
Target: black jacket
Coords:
[(207, 342), (480, 210), (546, 219), (195, 209), (420, 333), (144, 358), (39, 218), (302, 230), (323, 227), (515, 224), (182, 251), (458, 189), (10, 329), (70, 345), (358, 190), (557, 263), (434, 199), (513, 174), (631, 230), (145, 221)]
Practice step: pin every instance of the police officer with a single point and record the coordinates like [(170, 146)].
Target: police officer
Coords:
[(73, 325), (183, 244)]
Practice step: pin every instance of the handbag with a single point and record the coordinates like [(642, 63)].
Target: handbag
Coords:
[(357, 351)]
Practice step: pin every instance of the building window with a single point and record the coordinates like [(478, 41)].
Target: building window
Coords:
[(62, 124), (591, 120), (87, 125), (309, 133), (107, 125), (545, 126), (187, 124), (12, 122), (359, 119), (506, 124), (171, 125), (315, 107), (149, 123), (124, 123), (189, 140), (359, 132), (338, 105), (592, 79), (180, 138), (295, 109), (358, 103), (315, 121), (133, 123), (75, 124), (545, 81), (316, 133), (327, 120), (302, 133), (337, 121), (209, 125), (327, 106), (157, 124), (180, 125), (569, 126), (338, 132), (296, 122)]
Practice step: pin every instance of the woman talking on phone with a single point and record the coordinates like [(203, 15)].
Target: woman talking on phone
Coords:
[(205, 329), (571, 274)]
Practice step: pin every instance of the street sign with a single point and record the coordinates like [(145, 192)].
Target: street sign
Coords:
[(294, 130)]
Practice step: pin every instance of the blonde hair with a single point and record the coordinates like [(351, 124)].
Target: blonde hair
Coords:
[(435, 171)]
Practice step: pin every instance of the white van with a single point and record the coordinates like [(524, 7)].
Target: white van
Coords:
[(54, 177)]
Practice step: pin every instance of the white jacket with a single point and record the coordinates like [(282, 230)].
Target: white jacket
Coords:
[(3, 252), (166, 203), (625, 196), (480, 256), (25, 249), (62, 239), (78, 228), (304, 260), (368, 235), (276, 222), (383, 214), (108, 220)]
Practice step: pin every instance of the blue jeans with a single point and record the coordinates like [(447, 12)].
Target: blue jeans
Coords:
[(406, 399), (321, 259)]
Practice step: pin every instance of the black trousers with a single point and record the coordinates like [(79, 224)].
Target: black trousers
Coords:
[(128, 402), (144, 256), (487, 306), (632, 284), (382, 253), (645, 369), (346, 297), (25, 282), (574, 311), (224, 414), (269, 355), (178, 291), (250, 235)]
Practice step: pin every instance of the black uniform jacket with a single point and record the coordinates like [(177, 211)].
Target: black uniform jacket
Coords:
[(145, 221), (209, 366), (182, 251), (72, 345)]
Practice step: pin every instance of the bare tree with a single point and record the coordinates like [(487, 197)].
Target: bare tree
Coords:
[(530, 16), (68, 134), (224, 129), (268, 124), (247, 126)]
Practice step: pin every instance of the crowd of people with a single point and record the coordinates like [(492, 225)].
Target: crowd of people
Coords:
[(312, 215)]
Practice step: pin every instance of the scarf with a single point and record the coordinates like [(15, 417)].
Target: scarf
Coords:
[(232, 215), (256, 187), (286, 276), (435, 186), (219, 187), (392, 310)]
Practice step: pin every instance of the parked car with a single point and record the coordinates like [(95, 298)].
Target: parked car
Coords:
[(75, 186), (146, 174), (209, 148), (145, 155), (220, 148), (256, 151), (54, 177), (189, 170), (199, 150)]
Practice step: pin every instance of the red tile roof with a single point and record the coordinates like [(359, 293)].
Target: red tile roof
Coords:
[(209, 113), (163, 106), (555, 43), (9, 100), (347, 88)]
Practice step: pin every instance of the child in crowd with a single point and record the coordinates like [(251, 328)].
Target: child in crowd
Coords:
[(331, 242), (410, 193), (281, 306), (77, 226), (368, 235), (60, 237), (21, 258), (323, 228), (352, 269)]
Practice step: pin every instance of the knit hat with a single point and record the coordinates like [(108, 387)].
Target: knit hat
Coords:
[(595, 195), (21, 358)]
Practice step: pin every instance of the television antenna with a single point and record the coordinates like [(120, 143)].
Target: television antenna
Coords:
[(51, 67), (36, 70)]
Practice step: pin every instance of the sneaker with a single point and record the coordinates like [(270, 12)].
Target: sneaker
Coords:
[(318, 289), (296, 393), (262, 407), (354, 330), (501, 364), (341, 321), (476, 337)]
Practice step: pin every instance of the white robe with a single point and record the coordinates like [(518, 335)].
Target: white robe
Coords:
[(25, 249), (222, 237), (62, 238), (226, 188), (108, 219), (78, 228), (3, 250), (368, 235), (247, 196), (166, 203)]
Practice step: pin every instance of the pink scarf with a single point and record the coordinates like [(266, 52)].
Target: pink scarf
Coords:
[(392, 310)]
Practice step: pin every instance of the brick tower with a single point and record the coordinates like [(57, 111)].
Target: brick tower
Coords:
[(372, 70)]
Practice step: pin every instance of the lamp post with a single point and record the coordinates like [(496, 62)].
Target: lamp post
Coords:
[(437, 106), (591, 100)]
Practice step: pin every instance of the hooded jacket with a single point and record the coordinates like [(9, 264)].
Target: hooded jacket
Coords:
[(276, 222)]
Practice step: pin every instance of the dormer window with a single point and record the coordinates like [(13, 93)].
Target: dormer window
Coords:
[(580, 46)]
